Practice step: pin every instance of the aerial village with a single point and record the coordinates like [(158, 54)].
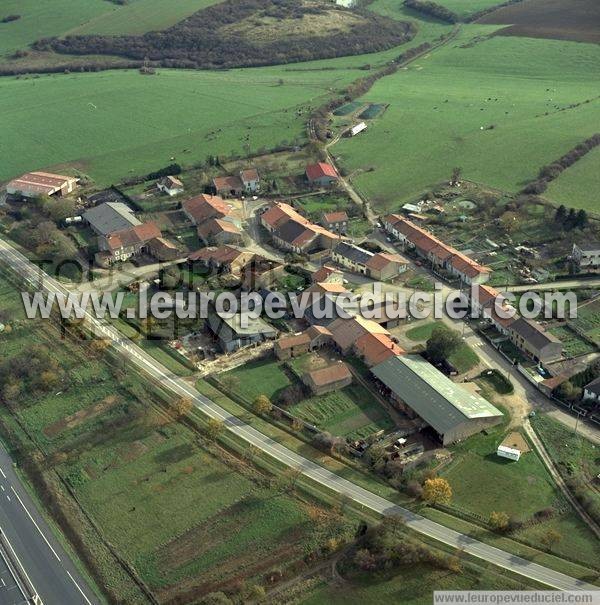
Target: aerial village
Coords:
[(351, 384)]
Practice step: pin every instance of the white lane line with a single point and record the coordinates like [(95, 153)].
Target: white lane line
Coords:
[(79, 588), (2, 487), (1, 471), (33, 521)]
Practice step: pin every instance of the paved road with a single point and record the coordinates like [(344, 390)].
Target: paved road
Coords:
[(46, 563), (359, 495), (556, 285)]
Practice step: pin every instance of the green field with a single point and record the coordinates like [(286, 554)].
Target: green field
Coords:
[(47, 18), (573, 344), (441, 102), (466, 8), (482, 483), (183, 512), (578, 186), (184, 115)]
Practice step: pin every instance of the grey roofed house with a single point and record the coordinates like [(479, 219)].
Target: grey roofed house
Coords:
[(353, 253), (111, 217), (289, 231), (452, 411), (233, 333), (531, 337)]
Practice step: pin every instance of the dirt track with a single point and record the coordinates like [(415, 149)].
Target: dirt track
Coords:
[(577, 20)]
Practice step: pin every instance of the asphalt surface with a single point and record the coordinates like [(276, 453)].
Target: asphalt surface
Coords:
[(359, 495), (48, 566)]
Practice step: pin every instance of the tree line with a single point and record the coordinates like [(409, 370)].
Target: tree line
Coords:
[(551, 171), (432, 9), (201, 40)]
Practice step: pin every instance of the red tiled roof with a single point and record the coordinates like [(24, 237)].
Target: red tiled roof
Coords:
[(288, 342), (320, 275), (375, 348), (133, 236), (204, 206), (250, 174), (335, 217), (381, 260), (317, 171), (333, 373), (214, 226), (227, 183), (218, 255), (279, 213)]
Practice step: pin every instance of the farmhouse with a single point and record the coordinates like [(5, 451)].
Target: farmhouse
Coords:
[(261, 273), (110, 217), (170, 185), (162, 249), (299, 344), (217, 231), (346, 332), (335, 221), (586, 255), (435, 251), (591, 391), (531, 338), (122, 245), (222, 259), (228, 186), (321, 174), (34, 184), (325, 380), (250, 180), (419, 389), (204, 207), (239, 331), (379, 266), (278, 214), (485, 300), (302, 237), (375, 348)]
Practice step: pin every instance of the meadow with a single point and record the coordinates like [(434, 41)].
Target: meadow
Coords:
[(466, 8), (495, 106), (185, 514), (578, 186), (482, 483), (121, 123), (48, 18)]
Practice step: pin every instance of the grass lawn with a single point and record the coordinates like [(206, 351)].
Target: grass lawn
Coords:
[(208, 112), (170, 360), (463, 359), (441, 102), (350, 412), (497, 381), (256, 378)]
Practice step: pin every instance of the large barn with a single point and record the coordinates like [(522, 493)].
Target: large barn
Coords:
[(418, 388), (34, 184)]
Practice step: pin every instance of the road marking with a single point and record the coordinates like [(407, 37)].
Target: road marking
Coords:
[(33, 521), (79, 588), (1, 471)]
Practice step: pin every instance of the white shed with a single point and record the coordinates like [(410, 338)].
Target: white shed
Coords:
[(508, 452), (358, 128)]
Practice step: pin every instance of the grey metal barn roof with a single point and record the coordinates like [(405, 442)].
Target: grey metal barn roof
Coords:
[(443, 404), (110, 217)]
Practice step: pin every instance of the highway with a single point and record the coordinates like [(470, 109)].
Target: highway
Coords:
[(48, 567), (313, 471)]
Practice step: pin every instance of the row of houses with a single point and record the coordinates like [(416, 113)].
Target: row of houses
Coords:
[(293, 232), (439, 254), (527, 335), (121, 235)]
